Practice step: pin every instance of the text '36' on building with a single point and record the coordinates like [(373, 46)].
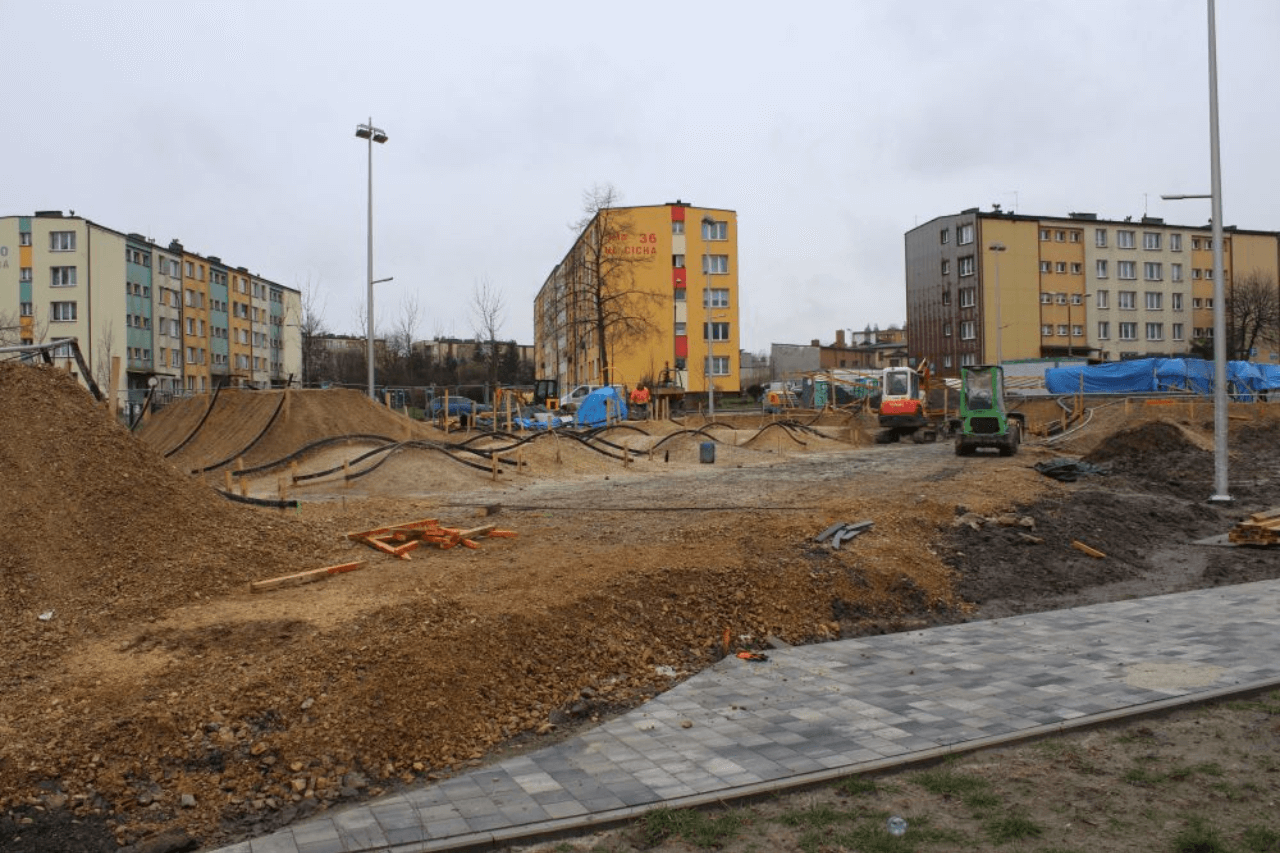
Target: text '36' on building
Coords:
[(645, 294), (988, 287)]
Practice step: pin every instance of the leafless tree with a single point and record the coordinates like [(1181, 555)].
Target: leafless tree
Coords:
[(487, 314), (10, 329), (311, 327), (1252, 313), (599, 299)]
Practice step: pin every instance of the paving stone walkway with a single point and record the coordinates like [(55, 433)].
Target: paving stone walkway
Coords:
[(812, 713)]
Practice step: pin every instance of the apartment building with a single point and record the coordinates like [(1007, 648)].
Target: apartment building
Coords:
[(662, 281), (984, 287), (155, 315)]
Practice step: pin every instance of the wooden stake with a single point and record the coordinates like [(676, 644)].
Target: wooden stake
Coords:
[(227, 479), (299, 578), (1092, 552)]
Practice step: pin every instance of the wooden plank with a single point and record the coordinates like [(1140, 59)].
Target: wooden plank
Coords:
[(383, 546), (377, 531), (1092, 552), (1266, 515), (299, 578)]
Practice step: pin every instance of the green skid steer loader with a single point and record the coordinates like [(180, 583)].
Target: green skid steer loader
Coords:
[(983, 420)]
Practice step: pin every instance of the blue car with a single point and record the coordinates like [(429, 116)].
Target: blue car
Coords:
[(458, 407)]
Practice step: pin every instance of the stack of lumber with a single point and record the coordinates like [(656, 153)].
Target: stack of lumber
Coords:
[(1260, 528), (399, 539)]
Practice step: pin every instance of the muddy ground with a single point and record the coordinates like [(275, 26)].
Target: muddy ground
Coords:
[(159, 703)]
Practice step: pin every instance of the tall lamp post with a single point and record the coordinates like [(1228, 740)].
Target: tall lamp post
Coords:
[(998, 248), (1221, 483), (708, 224), (372, 134)]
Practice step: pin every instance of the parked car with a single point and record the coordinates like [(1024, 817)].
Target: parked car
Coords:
[(458, 407)]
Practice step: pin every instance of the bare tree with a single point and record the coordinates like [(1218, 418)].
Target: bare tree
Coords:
[(487, 314), (1252, 313), (10, 329), (398, 355), (311, 328), (600, 301)]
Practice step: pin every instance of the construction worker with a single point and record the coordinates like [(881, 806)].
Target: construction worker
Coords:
[(640, 401)]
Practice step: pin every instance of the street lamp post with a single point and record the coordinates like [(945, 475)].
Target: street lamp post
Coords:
[(708, 224), (1221, 484), (372, 134), (998, 248)]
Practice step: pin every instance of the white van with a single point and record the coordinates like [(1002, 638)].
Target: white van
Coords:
[(571, 401)]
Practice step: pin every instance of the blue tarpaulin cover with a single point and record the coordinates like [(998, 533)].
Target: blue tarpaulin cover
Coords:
[(1154, 375), (595, 410)]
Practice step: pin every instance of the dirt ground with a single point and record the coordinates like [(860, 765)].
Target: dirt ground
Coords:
[(151, 700)]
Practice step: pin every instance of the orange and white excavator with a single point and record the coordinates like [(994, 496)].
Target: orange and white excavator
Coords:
[(904, 405)]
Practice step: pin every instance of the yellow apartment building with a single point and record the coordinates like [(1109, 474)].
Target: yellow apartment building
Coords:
[(645, 294), (987, 287)]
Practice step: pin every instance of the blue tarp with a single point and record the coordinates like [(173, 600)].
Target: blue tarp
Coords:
[(1154, 375), (599, 405)]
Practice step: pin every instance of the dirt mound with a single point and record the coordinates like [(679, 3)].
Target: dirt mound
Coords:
[(263, 426), (102, 529)]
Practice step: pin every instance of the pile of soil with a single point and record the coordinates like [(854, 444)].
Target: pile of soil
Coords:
[(162, 703)]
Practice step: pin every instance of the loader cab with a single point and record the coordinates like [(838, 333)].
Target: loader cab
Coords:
[(900, 383)]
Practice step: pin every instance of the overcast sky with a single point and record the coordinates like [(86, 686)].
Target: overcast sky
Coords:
[(832, 128)]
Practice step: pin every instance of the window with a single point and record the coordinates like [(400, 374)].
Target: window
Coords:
[(1195, 274), (677, 261), (1195, 243), (1060, 298), (680, 329), (1177, 331), (1100, 238), (26, 309), (62, 312), (1128, 331), (964, 234), (1175, 301), (24, 274), (1046, 331), (715, 297), (1153, 272), (1076, 269), (1101, 270), (946, 361), (715, 331), (1074, 236), (1155, 331), (62, 277), (1104, 330), (1154, 300), (62, 241), (1046, 267), (1077, 331), (1062, 330), (715, 264), (946, 296), (1151, 240), (1175, 272), (944, 236), (720, 365), (24, 238), (1126, 269), (968, 297), (1128, 300), (1046, 298), (966, 265), (1175, 242), (1060, 267), (715, 230), (1060, 236), (191, 326), (967, 359), (1044, 235), (1102, 299), (679, 294), (1197, 303), (1077, 298), (946, 330), (189, 269), (1125, 239), (967, 330), (1208, 274), (946, 266), (677, 227)]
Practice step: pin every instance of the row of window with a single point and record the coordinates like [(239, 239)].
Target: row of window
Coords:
[(964, 234), (718, 230), (711, 264)]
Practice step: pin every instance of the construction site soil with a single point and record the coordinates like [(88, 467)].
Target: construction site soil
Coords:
[(151, 701)]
